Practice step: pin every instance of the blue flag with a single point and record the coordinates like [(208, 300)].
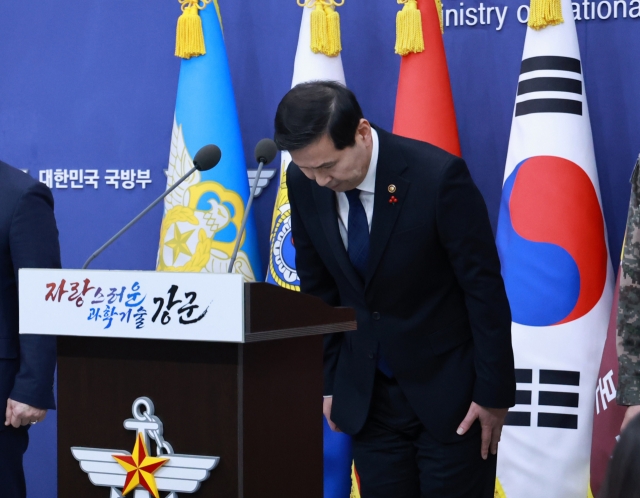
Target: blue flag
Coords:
[(203, 215)]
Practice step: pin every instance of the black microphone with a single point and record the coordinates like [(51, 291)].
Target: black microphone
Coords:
[(205, 159), (265, 152)]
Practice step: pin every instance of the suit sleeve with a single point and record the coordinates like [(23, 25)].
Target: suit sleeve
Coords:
[(33, 240), (316, 280), (465, 231)]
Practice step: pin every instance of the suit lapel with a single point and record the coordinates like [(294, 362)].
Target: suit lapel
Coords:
[(391, 164), (325, 200)]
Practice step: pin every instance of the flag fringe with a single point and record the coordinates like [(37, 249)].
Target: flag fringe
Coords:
[(409, 37), (355, 482), (325, 26), (498, 492), (189, 35), (439, 9), (543, 13)]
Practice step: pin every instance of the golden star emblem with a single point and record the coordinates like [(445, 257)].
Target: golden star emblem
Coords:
[(140, 468), (179, 242)]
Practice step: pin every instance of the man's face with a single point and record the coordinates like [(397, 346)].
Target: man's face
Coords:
[(339, 170)]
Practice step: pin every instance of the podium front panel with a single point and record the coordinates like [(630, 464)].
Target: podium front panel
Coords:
[(255, 406)]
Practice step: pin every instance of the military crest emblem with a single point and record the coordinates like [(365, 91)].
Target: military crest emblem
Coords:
[(144, 474), (282, 256), (201, 220)]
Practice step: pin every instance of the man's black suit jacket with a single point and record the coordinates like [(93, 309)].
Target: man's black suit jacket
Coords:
[(28, 239), (433, 301)]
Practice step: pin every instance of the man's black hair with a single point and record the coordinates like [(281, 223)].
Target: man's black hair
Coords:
[(310, 110)]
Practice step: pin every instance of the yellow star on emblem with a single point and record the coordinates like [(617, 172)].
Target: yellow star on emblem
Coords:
[(140, 468), (179, 242)]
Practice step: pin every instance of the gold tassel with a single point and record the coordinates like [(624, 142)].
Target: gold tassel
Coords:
[(543, 13), (325, 26), (318, 28), (439, 9), (409, 29), (189, 36), (334, 45)]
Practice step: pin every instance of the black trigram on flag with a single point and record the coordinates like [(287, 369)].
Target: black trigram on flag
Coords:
[(546, 394), (549, 73)]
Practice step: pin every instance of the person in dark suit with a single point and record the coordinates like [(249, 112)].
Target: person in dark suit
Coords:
[(396, 229), (28, 239)]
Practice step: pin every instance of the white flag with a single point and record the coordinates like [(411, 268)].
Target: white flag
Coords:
[(307, 67), (555, 263), (282, 269)]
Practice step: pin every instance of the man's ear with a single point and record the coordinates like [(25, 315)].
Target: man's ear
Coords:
[(364, 130)]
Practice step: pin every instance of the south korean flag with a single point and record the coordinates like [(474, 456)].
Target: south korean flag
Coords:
[(553, 248)]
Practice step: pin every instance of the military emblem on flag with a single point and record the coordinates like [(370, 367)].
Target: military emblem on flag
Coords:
[(282, 255), (552, 243)]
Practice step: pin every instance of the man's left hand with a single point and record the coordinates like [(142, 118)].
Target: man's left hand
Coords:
[(18, 414), (491, 421)]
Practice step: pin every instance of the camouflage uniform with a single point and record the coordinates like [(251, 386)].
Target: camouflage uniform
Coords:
[(628, 324)]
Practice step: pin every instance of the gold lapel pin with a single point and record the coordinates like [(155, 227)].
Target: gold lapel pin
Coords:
[(391, 188)]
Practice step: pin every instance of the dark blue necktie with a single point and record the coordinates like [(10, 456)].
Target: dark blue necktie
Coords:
[(358, 249), (358, 233)]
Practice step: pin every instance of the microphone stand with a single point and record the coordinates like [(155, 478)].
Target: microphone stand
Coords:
[(246, 216), (135, 220)]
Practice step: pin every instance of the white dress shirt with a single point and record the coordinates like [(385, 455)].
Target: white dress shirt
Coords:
[(367, 189)]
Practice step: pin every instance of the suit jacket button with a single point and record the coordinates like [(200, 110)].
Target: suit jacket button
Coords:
[(375, 315), (371, 355)]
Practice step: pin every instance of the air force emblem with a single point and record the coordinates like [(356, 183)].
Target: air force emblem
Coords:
[(141, 472)]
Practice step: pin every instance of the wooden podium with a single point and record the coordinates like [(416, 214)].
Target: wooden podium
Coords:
[(254, 403)]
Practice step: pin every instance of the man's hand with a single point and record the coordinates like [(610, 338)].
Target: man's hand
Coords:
[(18, 414), (491, 421), (631, 412), (326, 410)]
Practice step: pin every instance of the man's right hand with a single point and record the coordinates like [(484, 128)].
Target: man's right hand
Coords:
[(326, 409), (631, 412), (18, 414)]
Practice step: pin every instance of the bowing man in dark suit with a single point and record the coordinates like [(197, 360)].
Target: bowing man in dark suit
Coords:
[(28, 239), (396, 229)]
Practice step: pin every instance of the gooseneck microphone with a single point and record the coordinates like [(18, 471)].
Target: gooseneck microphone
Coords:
[(206, 158), (264, 153)]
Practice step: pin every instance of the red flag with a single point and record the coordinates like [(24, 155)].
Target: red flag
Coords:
[(608, 415), (424, 103)]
